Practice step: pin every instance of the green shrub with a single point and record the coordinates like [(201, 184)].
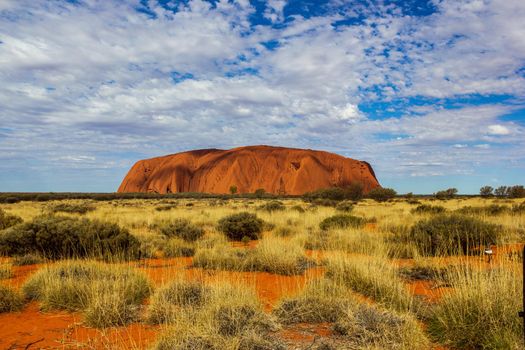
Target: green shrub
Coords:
[(108, 294), (182, 228), (452, 234), (7, 220), (166, 207), (72, 208), (353, 192), (341, 221), (428, 209), (236, 226), (345, 206), (10, 300), (61, 237), (272, 206), (381, 194)]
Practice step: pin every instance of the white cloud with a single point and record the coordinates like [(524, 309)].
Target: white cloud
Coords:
[(498, 129)]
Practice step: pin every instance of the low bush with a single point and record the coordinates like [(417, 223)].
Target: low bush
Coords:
[(168, 301), (452, 234), (493, 209), (298, 208), (10, 300), (345, 206), (237, 226), (27, 259), (428, 209), (72, 208), (6, 270), (353, 191), (370, 327), (7, 220), (62, 237), (373, 277), (321, 301), (109, 295), (166, 207), (341, 221), (272, 206), (481, 312), (381, 194), (182, 228), (177, 247)]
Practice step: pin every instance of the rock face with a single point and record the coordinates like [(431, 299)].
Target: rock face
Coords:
[(277, 170)]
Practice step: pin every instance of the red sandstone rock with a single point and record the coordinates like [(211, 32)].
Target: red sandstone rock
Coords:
[(277, 170)]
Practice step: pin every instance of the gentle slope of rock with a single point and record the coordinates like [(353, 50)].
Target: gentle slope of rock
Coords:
[(277, 170)]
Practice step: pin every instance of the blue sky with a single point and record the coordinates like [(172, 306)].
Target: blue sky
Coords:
[(431, 93)]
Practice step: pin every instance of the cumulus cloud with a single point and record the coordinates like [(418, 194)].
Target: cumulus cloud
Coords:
[(115, 81)]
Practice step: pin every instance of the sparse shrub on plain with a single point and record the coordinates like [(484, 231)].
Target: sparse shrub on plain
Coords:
[(8, 220), (352, 191), (166, 207), (452, 234), (183, 229), (341, 221), (492, 209), (298, 208), (62, 237), (10, 299), (481, 312), (109, 295), (72, 208), (321, 301), (168, 301), (6, 270), (368, 326), (382, 194), (486, 191), (345, 206), (272, 206), (237, 226), (177, 247), (428, 209), (446, 194)]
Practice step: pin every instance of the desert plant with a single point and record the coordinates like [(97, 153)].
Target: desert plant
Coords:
[(446, 194), (236, 226), (27, 259), (452, 234), (182, 228), (7, 220), (169, 301), (481, 312), (6, 270), (321, 301), (59, 237), (177, 247), (341, 221), (368, 326), (10, 300), (272, 206), (72, 208), (428, 209), (345, 206), (109, 295), (298, 208), (381, 194)]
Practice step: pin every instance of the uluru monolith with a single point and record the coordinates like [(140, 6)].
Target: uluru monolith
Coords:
[(277, 170)]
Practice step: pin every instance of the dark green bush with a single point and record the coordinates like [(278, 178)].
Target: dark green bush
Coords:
[(346, 206), (452, 234), (7, 220), (381, 194), (182, 228), (272, 206), (352, 191), (63, 237), (237, 226), (298, 208), (78, 208), (341, 221), (428, 209), (324, 202)]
